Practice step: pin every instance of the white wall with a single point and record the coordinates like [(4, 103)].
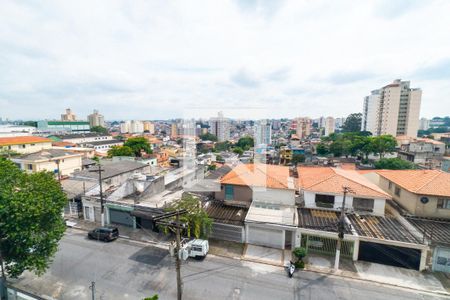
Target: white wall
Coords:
[(278, 196), (310, 202), (28, 148)]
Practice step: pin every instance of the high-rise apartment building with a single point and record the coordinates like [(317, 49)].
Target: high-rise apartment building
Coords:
[(96, 119), (424, 124), (263, 133), (393, 109), (220, 127), (329, 125), (303, 127), (149, 127), (68, 116)]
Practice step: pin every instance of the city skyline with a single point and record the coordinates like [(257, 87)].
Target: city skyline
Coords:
[(259, 54)]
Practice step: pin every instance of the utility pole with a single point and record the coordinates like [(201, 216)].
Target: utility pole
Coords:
[(92, 288), (341, 229), (3, 278), (59, 171), (102, 204), (175, 226)]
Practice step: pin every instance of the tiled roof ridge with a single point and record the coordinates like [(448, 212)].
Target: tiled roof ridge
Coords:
[(328, 177), (438, 173), (268, 175), (366, 186)]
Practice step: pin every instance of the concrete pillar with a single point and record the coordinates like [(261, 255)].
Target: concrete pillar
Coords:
[(298, 238), (246, 233), (355, 250), (283, 239), (423, 259)]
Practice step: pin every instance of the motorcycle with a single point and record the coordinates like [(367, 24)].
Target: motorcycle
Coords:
[(291, 269)]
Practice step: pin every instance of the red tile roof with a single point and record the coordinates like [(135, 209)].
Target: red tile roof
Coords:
[(332, 180), (271, 176), (425, 182), (19, 140)]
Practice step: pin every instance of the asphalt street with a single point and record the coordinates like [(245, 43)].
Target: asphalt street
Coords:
[(126, 269)]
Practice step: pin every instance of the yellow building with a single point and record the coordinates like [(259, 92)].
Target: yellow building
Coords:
[(24, 144)]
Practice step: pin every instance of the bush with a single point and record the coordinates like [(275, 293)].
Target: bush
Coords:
[(299, 253), (300, 264)]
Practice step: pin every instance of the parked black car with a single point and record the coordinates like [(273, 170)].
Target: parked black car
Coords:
[(106, 234)]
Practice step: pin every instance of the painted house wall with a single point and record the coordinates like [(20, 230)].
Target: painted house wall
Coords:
[(28, 148), (279, 196), (241, 193), (67, 165), (411, 202), (310, 202)]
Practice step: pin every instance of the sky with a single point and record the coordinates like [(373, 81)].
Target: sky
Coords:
[(164, 59)]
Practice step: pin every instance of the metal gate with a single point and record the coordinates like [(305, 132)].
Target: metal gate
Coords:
[(121, 217), (441, 260), (327, 246), (227, 232), (390, 255)]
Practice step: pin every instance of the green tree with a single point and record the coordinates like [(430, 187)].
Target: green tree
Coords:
[(337, 148), (6, 153), (99, 129), (31, 223), (208, 137), (322, 149), (298, 158), (154, 297), (238, 150), (196, 219), (383, 144), (211, 167), (138, 144), (219, 158), (246, 143), (394, 164), (120, 151), (352, 123), (222, 146)]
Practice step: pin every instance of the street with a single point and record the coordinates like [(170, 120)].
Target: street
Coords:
[(125, 269)]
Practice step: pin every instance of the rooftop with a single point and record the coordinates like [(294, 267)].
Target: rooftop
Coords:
[(226, 214), (436, 230), (262, 212), (48, 154), (111, 169), (332, 180), (19, 140), (104, 142), (423, 182), (383, 228), (262, 175), (79, 135), (317, 219)]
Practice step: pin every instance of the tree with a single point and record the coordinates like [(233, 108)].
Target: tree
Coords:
[(394, 164), (222, 146), (337, 148), (238, 150), (352, 123), (298, 158), (99, 129), (196, 219), (120, 151), (322, 149), (246, 142), (154, 297), (219, 158), (208, 137), (31, 223), (383, 144), (138, 144)]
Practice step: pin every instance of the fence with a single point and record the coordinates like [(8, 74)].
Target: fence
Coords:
[(327, 246)]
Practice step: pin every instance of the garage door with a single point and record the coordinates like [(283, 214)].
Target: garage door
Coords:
[(389, 255), (265, 237), (120, 217), (441, 260)]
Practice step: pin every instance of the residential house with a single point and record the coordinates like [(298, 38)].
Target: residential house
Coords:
[(24, 144), (373, 230), (60, 162), (422, 151), (422, 193), (269, 194)]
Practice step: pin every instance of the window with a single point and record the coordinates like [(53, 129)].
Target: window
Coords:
[(229, 192), (390, 185), (443, 203), (363, 204), (23, 146), (397, 191), (30, 167), (326, 201)]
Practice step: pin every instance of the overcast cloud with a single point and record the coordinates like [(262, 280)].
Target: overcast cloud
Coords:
[(156, 59)]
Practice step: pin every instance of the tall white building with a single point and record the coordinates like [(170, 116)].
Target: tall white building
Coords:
[(393, 109), (96, 119), (263, 132), (329, 125), (220, 127), (424, 124)]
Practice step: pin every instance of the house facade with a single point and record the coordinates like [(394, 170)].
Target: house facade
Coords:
[(24, 144)]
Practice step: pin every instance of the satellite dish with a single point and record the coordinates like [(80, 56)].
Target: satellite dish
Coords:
[(424, 200)]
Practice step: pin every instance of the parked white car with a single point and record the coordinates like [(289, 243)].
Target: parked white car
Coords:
[(197, 248)]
